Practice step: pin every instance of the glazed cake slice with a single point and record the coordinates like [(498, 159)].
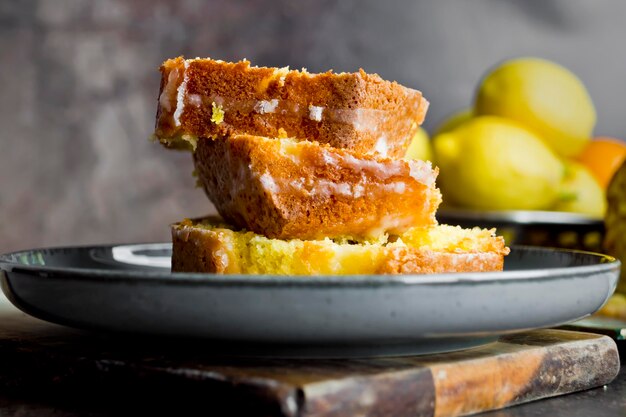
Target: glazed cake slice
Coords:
[(205, 98), (287, 189), (209, 245)]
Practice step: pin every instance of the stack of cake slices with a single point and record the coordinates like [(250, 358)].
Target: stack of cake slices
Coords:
[(308, 175)]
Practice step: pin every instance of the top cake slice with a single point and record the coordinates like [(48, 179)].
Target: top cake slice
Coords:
[(205, 98)]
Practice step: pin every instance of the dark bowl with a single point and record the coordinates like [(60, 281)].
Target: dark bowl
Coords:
[(536, 228)]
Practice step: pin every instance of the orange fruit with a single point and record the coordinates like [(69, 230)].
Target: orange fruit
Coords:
[(603, 156)]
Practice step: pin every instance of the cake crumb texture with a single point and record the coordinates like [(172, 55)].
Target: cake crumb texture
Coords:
[(212, 246), (345, 110)]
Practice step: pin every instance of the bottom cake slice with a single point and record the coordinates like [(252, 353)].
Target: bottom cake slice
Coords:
[(209, 245)]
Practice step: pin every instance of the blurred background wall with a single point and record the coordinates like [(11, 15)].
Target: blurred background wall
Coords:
[(79, 81)]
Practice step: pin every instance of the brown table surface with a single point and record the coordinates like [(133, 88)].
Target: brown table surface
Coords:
[(604, 401)]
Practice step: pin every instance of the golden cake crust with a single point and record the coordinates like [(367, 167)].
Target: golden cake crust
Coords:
[(220, 249), (356, 111), (286, 189)]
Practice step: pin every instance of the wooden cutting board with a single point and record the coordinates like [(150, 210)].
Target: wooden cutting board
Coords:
[(156, 374)]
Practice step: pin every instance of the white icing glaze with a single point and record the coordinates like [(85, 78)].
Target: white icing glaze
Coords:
[(265, 106), (329, 158), (180, 97), (422, 171), (381, 145), (396, 187), (168, 90), (358, 190), (222, 256), (380, 170), (315, 113), (182, 233), (363, 120), (194, 99), (326, 188), (282, 74), (269, 183)]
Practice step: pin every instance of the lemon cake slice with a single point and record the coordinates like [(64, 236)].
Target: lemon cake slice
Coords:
[(286, 189), (210, 245), (205, 98)]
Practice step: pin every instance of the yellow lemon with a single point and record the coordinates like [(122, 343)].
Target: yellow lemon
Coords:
[(493, 163), (543, 96), (615, 307), (580, 192), (420, 147), (453, 121)]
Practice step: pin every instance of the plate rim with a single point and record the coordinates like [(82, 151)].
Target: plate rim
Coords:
[(606, 264), (522, 217)]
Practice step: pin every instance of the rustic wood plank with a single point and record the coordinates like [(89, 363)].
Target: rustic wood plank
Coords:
[(547, 363), (518, 368)]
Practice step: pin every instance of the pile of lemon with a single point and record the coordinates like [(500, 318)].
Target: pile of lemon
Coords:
[(524, 145)]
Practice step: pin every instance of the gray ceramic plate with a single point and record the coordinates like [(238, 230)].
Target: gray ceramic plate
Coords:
[(129, 289)]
